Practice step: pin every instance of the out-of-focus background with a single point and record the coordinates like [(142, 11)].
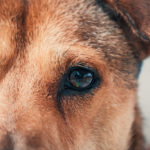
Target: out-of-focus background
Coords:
[(144, 97)]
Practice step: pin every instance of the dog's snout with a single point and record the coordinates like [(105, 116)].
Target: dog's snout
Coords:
[(6, 143)]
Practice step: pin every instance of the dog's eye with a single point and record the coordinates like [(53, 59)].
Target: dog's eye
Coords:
[(80, 78)]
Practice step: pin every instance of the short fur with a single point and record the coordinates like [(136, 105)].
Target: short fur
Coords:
[(39, 41)]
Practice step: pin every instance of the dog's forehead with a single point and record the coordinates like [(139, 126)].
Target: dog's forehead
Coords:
[(82, 21), (47, 27)]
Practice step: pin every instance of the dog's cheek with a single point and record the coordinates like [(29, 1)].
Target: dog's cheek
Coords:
[(109, 112), (108, 120), (114, 119)]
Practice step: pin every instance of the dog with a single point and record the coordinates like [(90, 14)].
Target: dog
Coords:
[(68, 74)]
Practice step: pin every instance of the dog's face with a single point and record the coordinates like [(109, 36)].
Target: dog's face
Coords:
[(68, 76)]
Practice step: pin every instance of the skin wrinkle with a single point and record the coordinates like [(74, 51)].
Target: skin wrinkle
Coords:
[(44, 39)]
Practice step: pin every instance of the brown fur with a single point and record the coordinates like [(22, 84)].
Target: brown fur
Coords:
[(39, 41)]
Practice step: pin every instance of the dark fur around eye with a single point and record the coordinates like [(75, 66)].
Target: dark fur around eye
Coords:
[(78, 80)]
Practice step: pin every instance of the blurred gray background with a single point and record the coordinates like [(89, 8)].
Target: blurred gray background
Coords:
[(144, 97)]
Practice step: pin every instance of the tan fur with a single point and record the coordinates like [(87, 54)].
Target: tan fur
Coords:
[(39, 41)]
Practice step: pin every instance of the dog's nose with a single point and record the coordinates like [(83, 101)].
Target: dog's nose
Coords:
[(6, 143)]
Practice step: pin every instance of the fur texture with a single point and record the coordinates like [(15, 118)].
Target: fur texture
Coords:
[(39, 41)]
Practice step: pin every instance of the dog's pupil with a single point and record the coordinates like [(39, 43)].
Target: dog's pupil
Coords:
[(81, 78)]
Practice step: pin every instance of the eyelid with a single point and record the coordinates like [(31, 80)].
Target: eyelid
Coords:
[(64, 94), (83, 65)]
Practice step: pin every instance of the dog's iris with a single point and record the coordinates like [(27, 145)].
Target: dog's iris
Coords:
[(81, 78)]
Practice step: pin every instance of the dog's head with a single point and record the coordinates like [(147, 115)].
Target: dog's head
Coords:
[(68, 73)]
